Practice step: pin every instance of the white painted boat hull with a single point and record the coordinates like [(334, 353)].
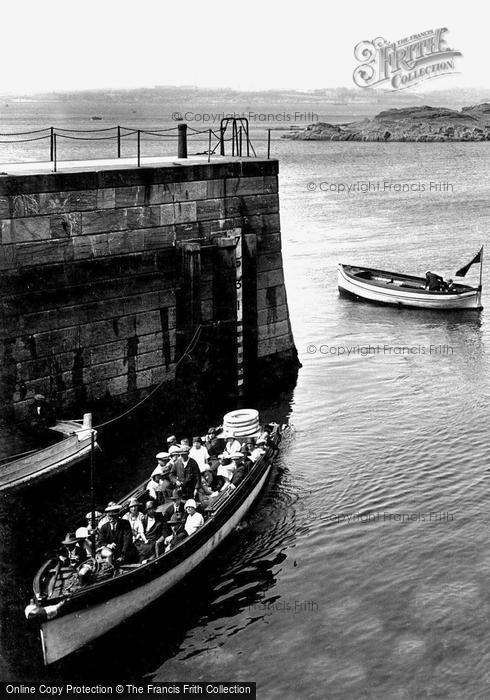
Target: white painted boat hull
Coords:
[(44, 463), (64, 635), (404, 297)]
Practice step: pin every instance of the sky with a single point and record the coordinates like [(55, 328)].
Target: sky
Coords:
[(258, 44)]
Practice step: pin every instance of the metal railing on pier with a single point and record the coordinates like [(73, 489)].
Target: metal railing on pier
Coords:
[(233, 138)]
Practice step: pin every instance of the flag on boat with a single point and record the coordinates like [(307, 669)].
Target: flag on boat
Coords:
[(462, 272)]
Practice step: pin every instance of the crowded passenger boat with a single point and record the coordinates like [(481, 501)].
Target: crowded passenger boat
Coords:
[(133, 550)]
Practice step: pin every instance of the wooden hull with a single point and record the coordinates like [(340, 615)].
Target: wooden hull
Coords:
[(44, 463), (65, 634), (397, 295)]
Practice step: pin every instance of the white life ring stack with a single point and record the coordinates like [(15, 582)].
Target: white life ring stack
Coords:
[(243, 423)]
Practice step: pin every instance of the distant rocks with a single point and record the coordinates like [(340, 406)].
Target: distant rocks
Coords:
[(406, 124)]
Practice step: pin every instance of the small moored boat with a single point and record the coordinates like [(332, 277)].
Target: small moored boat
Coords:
[(38, 464), (67, 622), (397, 289)]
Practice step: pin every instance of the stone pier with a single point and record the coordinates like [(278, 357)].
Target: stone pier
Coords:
[(107, 270)]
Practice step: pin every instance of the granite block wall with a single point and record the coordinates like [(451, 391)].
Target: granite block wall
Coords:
[(90, 274)]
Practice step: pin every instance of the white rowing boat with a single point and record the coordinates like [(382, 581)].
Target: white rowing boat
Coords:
[(38, 464), (396, 289)]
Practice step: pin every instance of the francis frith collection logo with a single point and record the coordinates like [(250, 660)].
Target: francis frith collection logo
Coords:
[(404, 63)]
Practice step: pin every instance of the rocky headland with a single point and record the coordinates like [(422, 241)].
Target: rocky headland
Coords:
[(406, 124)]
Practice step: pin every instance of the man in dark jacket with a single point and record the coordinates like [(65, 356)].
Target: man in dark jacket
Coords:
[(176, 522), (214, 446), (116, 534), (433, 282), (176, 505), (41, 415), (153, 526), (191, 476)]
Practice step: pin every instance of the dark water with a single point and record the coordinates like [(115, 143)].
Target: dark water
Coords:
[(362, 571)]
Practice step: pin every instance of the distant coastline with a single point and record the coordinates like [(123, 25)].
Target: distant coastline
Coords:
[(406, 124)]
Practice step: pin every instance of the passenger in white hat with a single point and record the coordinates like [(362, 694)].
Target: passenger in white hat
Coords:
[(162, 458), (117, 535), (105, 517), (159, 485), (135, 518), (189, 476), (176, 466), (82, 535), (194, 519)]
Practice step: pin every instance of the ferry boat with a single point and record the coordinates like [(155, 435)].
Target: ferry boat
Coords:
[(69, 622)]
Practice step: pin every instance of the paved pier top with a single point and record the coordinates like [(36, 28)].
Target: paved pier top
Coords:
[(37, 168), (27, 178)]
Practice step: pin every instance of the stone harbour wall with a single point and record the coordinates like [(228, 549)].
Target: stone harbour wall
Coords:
[(94, 287)]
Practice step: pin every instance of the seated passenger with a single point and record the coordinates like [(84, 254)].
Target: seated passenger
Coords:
[(236, 459), (194, 519), (208, 479), (231, 445), (246, 457), (259, 450), (214, 446), (162, 458), (135, 519), (178, 534), (176, 505), (116, 534), (249, 444), (166, 486), (41, 415), (451, 287), (220, 481), (176, 466), (153, 487), (226, 475), (171, 442), (191, 476), (264, 437), (97, 568), (105, 517), (73, 552), (97, 515), (207, 491), (199, 453), (82, 535), (226, 461), (242, 467), (153, 530)]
